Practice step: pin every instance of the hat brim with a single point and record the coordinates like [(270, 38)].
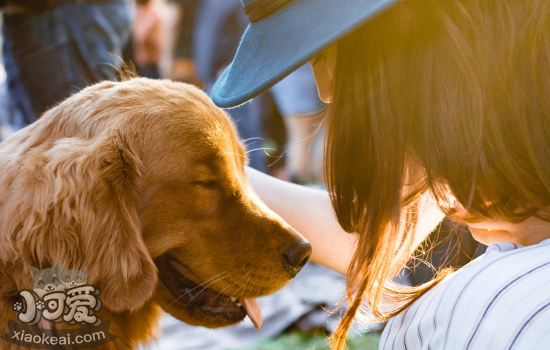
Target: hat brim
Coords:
[(273, 47)]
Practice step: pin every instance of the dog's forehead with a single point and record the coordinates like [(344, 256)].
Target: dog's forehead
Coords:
[(175, 125), (206, 149)]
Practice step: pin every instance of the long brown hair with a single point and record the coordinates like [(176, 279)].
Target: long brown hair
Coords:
[(446, 97)]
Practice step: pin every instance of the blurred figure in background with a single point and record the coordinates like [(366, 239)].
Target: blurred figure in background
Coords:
[(149, 37), (5, 129), (182, 66), (218, 27), (54, 48), (298, 101)]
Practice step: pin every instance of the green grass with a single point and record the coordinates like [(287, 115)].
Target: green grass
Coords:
[(304, 341)]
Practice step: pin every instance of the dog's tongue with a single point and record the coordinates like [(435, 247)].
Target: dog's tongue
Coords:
[(254, 311)]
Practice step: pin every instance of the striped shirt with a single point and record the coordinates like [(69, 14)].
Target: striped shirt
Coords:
[(501, 300)]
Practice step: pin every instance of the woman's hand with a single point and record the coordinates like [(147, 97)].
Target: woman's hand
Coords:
[(310, 212)]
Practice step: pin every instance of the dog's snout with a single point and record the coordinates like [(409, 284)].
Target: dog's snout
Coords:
[(296, 257)]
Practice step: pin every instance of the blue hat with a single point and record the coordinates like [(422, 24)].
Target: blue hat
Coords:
[(282, 36)]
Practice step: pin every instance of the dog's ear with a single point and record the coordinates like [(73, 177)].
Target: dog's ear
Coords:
[(97, 186), (34, 272), (58, 267)]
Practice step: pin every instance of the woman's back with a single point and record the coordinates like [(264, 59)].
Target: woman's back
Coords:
[(499, 301)]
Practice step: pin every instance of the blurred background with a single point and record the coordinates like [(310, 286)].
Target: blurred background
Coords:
[(53, 48)]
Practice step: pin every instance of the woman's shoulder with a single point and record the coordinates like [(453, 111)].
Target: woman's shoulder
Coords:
[(498, 300)]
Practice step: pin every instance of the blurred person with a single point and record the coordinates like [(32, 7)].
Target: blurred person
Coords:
[(219, 25), (54, 48), (298, 101), (183, 13), (149, 37), (5, 128)]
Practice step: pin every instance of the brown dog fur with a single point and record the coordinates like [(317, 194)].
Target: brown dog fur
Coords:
[(120, 174)]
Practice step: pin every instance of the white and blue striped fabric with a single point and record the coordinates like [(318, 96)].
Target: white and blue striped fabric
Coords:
[(501, 300)]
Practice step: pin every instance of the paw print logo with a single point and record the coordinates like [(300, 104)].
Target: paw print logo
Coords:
[(17, 306), (40, 305)]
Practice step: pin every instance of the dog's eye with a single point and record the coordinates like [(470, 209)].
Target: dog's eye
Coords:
[(206, 183)]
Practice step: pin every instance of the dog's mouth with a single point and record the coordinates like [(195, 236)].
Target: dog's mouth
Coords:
[(190, 292)]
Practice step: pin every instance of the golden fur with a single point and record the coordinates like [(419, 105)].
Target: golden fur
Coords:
[(119, 175)]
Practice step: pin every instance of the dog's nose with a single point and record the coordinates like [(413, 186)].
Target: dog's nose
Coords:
[(296, 257)]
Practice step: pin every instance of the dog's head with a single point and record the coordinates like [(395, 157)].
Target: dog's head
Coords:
[(143, 183)]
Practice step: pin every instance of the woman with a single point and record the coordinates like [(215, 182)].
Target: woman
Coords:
[(429, 99)]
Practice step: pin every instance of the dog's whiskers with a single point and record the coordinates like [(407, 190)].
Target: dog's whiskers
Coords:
[(190, 300), (232, 284), (233, 153), (244, 287), (240, 279), (220, 293), (253, 138), (252, 288), (203, 288), (261, 149), (198, 286), (246, 274)]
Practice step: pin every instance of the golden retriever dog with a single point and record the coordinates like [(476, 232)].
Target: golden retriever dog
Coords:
[(142, 183)]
